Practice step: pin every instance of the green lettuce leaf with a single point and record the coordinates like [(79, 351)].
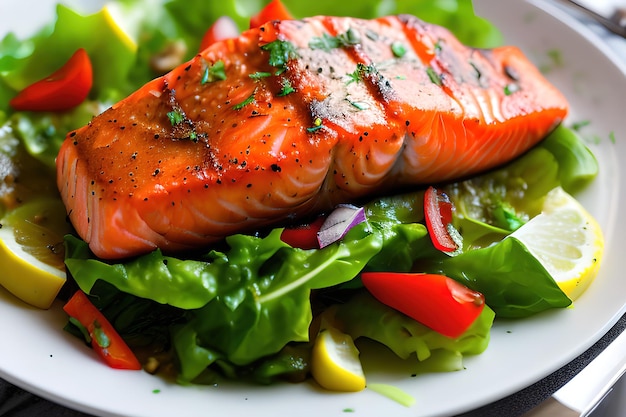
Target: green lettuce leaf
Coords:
[(399, 220), (577, 164), (364, 316), (513, 281)]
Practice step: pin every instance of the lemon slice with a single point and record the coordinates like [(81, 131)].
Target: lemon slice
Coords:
[(335, 363), (567, 240), (31, 252)]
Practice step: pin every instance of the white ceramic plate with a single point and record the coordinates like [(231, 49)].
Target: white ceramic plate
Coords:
[(38, 356)]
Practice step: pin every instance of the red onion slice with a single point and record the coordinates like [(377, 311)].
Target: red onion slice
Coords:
[(339, 222)]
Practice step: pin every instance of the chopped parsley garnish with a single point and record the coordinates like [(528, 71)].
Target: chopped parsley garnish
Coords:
[(281, 52), (437, 46), (349, 38), (99, 335), (510, 89), (371, 34), (260, 74), (398, 49), (360, 71), (434, 77), (361, 105), (176, 117), (327, 42), (287, 87), (244, 103), (213, 72), (579, 125)]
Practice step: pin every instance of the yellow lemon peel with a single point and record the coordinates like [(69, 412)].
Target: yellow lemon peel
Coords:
[(567, 240), (335, 363)]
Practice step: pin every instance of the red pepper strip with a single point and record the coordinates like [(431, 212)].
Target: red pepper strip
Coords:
[(105, 340), (437, 301), (222, 29), (64, 89), (304, 236), (438, 215), (275, 10)]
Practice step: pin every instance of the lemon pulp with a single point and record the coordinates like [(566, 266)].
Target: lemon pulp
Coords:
[(31, 251), (567, 240)]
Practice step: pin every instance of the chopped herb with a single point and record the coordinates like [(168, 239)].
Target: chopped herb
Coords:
[(213, 72), (349, 38), (359, 72), (244, 103), (99, 335), (258, 75), (556, 57), (434, 77), (361, 105), (612, 137), (82, 329), (327, 42), (476, 70), (579, 125), (287, 87), (176, 117), (354, 77), (510, 89), (193, 136), (281, 52), (398, 49), (371, 34), (317, 125), (437, 46)]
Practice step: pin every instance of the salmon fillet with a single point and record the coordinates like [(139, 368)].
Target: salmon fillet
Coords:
[(293, 118)]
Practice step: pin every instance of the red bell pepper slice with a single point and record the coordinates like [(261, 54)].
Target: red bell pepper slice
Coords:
[(303, 236), (63, 90), (275, 10), (437, 301), (105, 340), (223, 28), (438, 215)]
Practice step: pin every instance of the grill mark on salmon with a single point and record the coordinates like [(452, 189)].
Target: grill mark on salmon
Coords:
[(393, 102)]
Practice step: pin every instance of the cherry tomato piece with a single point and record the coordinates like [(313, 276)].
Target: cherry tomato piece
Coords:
[(105, 340), (438, 215), (437, 301), (223, 28), (303, 236), (63, 90), (275, 10)]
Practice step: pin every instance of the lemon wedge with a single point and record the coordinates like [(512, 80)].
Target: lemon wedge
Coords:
[(113, 16), (31, 252), (567, 240), (335, 363)]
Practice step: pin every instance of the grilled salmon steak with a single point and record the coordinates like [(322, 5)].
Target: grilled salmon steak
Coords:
[(292, 118)]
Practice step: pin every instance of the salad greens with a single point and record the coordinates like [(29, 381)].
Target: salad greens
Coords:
[(245, 309)]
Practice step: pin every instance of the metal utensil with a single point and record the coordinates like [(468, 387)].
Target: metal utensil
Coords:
[(616, 22)]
